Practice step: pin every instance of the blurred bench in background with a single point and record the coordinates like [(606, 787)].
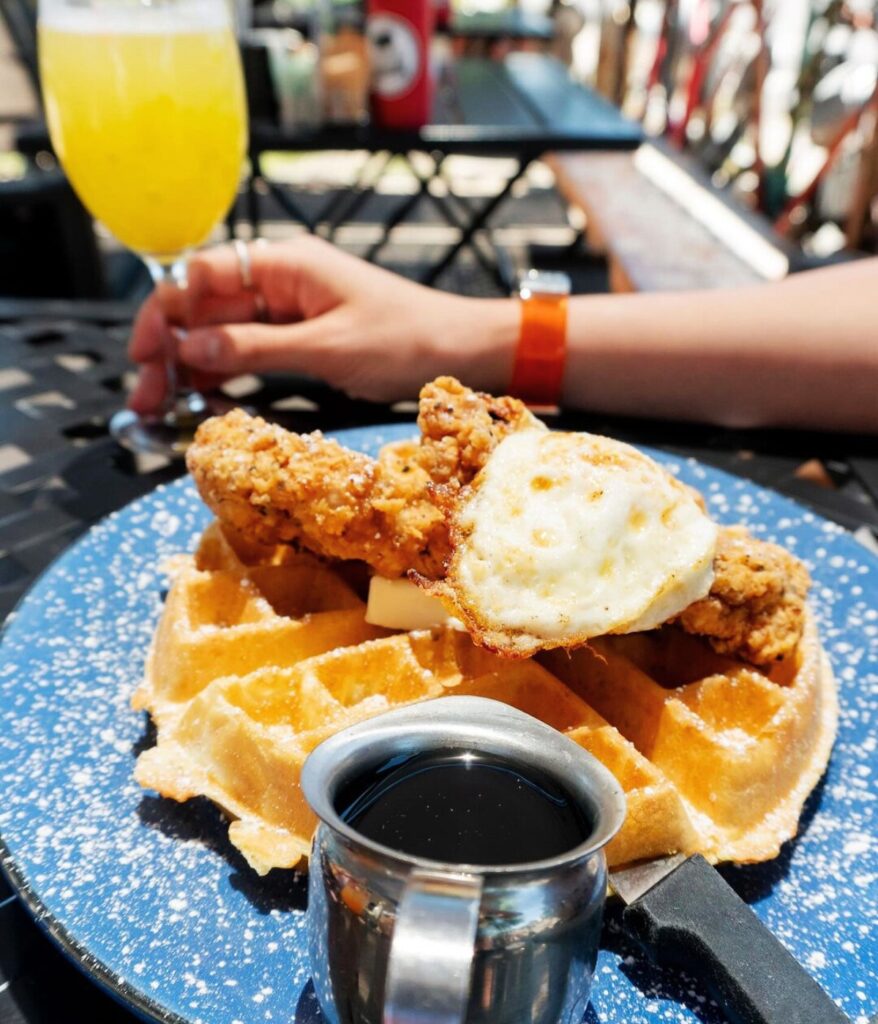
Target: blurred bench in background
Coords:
[(662, 227)]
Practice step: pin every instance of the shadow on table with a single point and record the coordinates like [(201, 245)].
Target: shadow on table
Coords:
[(202, 821), (653, 981), (308, 1009), (150, 733)]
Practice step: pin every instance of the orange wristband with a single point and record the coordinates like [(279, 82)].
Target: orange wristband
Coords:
[(538, 373)]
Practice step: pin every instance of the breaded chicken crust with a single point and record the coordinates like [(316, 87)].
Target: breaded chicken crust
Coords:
[(460, 428), (756, 605), (277, 487)]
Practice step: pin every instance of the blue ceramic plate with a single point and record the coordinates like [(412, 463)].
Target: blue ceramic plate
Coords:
[(153, 902)]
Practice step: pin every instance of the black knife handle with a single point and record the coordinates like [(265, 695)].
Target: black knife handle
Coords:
[(695, 920)]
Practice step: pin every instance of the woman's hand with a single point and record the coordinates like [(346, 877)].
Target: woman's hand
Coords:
[(326, 314)]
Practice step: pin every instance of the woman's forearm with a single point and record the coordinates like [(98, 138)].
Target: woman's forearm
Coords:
[(801, 352)]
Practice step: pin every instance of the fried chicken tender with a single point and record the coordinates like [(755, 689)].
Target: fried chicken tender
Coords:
[(756, 606), (276, 487)]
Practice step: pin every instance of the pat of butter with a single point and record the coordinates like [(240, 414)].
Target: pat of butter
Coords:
[(401, 604)]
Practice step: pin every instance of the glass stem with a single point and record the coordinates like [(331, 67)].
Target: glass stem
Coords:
[(182, 401)]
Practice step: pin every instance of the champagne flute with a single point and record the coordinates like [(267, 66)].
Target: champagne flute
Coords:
[(146, 109)]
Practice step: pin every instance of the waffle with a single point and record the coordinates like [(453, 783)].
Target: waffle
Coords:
[(741, 748), (236, 607), (262, 653)]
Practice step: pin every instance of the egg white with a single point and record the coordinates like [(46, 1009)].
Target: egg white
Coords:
[(564, 536)]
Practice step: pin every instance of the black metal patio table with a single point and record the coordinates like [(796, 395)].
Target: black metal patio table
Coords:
[(521, 108), (62, 374)]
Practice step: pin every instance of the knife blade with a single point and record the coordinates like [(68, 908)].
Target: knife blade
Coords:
[(683, 913)]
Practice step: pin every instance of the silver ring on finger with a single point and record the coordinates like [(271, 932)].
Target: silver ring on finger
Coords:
[(245, 264)]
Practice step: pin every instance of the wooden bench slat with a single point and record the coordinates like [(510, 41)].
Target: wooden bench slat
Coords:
[(653, 244)]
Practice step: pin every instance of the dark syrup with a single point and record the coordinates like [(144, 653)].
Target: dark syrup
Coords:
[(464, 808)]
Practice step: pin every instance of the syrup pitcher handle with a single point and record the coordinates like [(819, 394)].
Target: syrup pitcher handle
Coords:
[(431, 953)]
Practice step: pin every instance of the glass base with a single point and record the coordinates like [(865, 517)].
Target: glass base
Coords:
[(170, 433)]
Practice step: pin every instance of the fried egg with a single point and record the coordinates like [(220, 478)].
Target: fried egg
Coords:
[(562, 537)]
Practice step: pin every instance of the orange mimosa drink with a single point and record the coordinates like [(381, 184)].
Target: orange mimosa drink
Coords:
[(147, 114)]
